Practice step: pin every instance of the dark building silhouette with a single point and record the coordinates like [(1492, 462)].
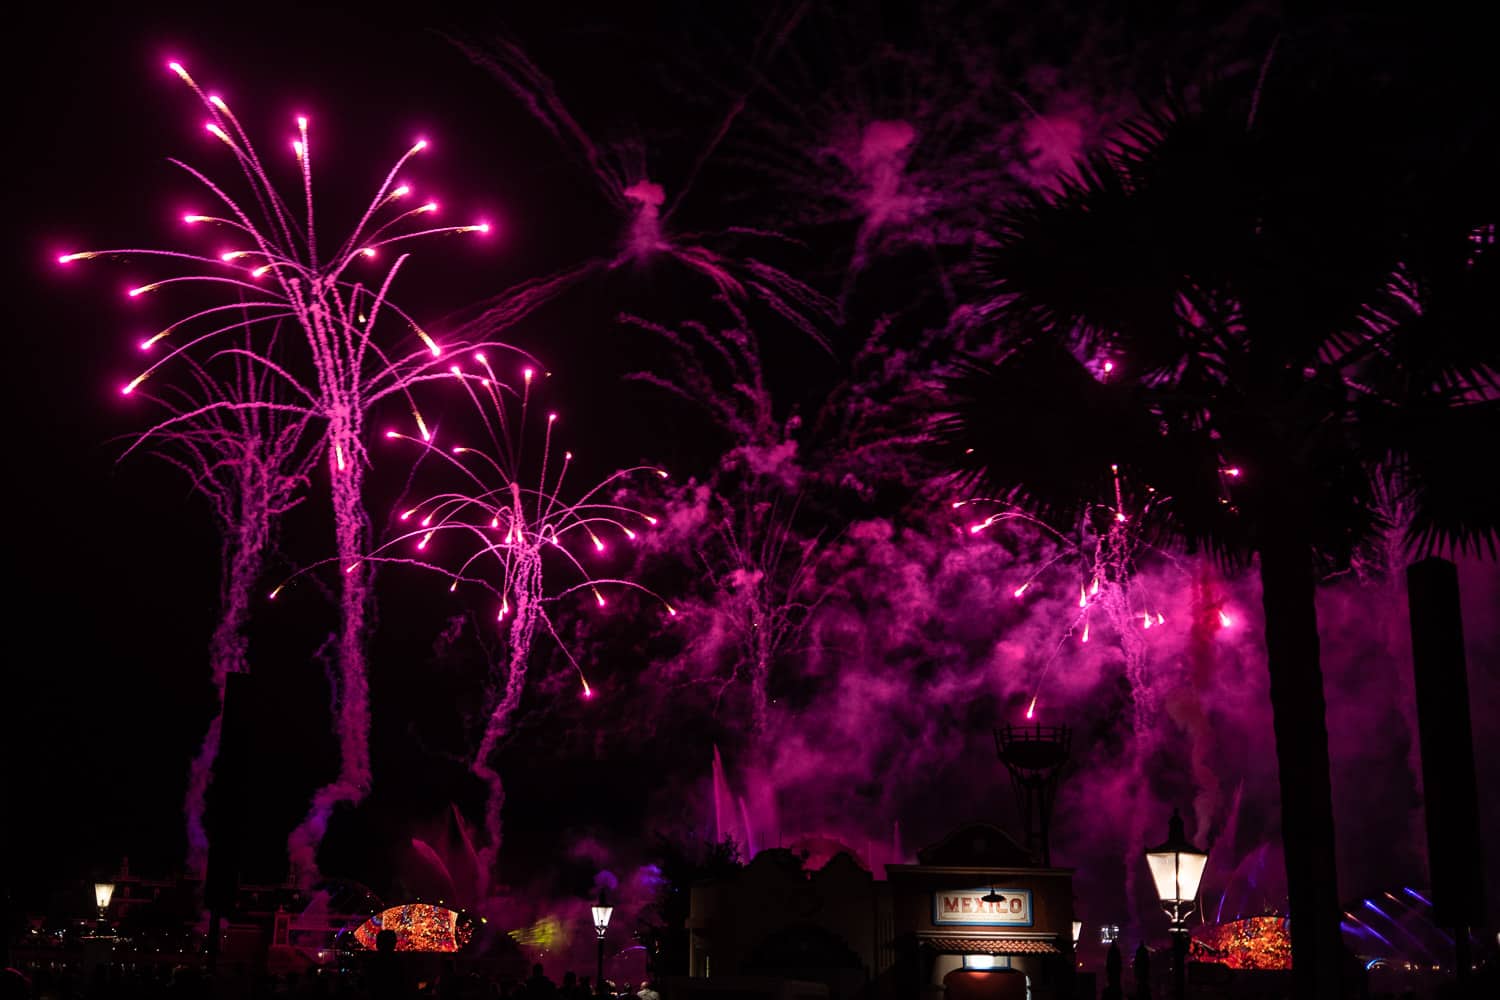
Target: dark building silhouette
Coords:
[(976, 910)]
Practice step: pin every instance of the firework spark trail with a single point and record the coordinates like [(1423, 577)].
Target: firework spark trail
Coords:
[(1104, 564), (764, 576), (761, 573), (898, 144), (1104, 554), (620, 174), (738, 400), (763, 581), (507, 533), (343, 371), (247, 461), (900, 138)]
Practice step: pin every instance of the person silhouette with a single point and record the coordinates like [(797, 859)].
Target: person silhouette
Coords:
[(387, 977), (1141, 967), (539, 987), (1112, 964)]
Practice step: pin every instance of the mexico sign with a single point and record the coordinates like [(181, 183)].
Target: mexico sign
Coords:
[(968, 906)]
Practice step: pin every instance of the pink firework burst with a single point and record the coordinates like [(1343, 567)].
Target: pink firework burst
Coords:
[(507, 523), (622, 173), (356, 348)]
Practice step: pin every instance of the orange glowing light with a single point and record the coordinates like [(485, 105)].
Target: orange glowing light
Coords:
[(419, 927), (1252, 943)]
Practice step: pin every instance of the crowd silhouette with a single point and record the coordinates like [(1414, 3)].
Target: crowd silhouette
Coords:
[(383, 976)]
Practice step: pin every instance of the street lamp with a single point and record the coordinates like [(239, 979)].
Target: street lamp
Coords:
[(602, 912), (1176, 867), (103, 893)]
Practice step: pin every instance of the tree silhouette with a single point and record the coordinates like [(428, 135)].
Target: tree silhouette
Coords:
[(1248, 306)]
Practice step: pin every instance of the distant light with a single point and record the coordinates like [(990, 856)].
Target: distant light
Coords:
[(601, 912), (979, 962), (103, 893)]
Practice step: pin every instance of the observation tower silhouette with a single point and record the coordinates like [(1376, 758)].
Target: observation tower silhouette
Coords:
[(1035, 756)]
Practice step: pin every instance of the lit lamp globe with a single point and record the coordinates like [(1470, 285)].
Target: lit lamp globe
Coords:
[(1176, 868), (602, 912), (103, 893)]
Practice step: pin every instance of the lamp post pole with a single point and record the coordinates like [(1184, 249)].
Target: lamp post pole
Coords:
[(602, 911), (1179, 960), (1176, 868)]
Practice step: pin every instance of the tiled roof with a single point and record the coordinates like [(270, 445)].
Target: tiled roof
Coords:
[(991, 946)]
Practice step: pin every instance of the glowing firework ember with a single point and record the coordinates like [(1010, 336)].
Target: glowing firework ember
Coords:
[(1101, 554), (511, 538), (279, 271)]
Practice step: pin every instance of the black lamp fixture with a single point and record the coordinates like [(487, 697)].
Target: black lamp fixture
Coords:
[(1176, 868), (602, 911)]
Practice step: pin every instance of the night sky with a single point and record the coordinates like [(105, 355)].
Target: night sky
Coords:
[(113, 567)]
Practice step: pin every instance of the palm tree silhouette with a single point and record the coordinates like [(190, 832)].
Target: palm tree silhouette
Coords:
[(1260, 314)]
